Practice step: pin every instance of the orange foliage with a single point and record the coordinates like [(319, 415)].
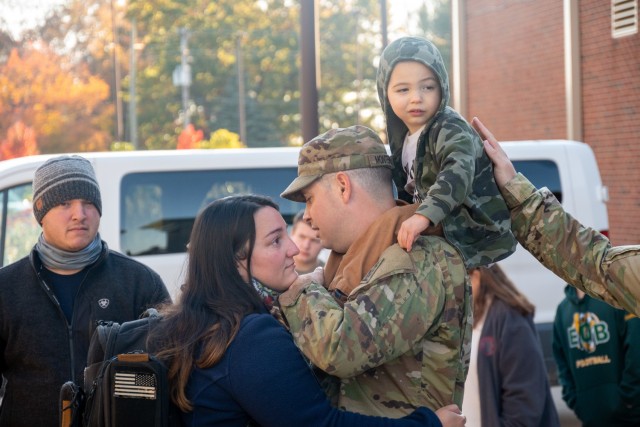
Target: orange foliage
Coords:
[(190, 138), (63, 104), (20, 142)]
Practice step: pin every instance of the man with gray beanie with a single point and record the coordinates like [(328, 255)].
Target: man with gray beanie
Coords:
[(394, 326), (51, 300)]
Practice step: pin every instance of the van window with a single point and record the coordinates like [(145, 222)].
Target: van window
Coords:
[(541, 173), (158, 208), (19, 229)]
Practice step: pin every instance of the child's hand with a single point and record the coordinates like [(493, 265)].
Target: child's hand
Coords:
[(411, 229)]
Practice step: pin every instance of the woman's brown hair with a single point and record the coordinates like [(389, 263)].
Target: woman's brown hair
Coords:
[(196, 331), (495, 284)]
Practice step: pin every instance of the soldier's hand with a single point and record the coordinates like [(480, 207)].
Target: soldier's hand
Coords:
[(451, 416), (411, 229), (316, 276), (503, 169)]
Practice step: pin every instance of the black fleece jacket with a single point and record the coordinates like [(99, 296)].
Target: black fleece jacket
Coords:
[(40, 350)]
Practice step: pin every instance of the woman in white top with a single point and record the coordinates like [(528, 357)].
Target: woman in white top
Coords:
[(507, 381)]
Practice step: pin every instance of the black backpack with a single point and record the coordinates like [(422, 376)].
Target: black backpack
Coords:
[(124, 384)]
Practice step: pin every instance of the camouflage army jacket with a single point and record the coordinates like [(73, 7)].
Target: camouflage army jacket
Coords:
[(453, 175), (580, 255), (402, 338)]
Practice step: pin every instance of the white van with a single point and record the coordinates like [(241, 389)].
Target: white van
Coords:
[(150, 199)]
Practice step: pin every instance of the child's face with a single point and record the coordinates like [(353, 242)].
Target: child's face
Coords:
[(414, 94)]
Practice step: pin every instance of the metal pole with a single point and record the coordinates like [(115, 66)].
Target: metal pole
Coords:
[(358, 67), (241, 107), (383, 23), (308, 74), (184, 67), (116, 72), (572, 73), (133, 113)]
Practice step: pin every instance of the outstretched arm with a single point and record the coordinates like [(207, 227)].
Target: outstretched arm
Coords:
[(580, 255)]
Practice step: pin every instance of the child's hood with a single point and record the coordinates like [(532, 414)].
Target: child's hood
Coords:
[(408, 49)]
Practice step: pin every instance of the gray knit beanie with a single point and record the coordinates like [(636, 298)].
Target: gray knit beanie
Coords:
[(61, 179)]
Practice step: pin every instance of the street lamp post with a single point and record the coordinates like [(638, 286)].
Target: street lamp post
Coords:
[(383, 23), (182, 75), (116, 73), (242, 117), (309, 69), (133, 113), (186, 75)]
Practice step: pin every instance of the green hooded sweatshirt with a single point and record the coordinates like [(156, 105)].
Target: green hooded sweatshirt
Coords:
[(596, 349), (453, 175)]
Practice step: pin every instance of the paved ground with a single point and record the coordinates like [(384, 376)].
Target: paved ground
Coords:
[(567, 417)]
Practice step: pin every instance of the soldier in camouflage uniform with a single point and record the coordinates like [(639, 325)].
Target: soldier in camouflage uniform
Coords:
[(394, 326), (580, 255), (447, 172)]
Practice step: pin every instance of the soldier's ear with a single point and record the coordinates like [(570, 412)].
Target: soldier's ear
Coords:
[(343, 185)]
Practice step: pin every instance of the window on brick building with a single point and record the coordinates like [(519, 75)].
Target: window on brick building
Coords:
[(624, 18)]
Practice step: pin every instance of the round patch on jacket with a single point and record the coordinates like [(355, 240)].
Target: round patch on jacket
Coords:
[(487, 346), (103, 302)]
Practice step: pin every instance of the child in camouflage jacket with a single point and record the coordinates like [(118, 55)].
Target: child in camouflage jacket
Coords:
[(439, 161)]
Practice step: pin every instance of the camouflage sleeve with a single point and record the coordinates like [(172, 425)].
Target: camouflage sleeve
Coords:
[(382, 319), (580, 255), (456, 154)]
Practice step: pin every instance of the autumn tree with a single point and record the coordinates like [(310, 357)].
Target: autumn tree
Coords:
[(190, 137), (434, 23), (265, 35), (349, 43), (63, 108), (20, 141), (95, 37), (223, 138)]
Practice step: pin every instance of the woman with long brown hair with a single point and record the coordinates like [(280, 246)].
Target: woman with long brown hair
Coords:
[(507, 381), (230, 362)]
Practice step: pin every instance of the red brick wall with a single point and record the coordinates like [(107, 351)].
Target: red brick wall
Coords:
[(515, 68), (611, 118)]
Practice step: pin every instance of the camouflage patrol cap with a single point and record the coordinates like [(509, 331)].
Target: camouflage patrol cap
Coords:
[(341, 149)]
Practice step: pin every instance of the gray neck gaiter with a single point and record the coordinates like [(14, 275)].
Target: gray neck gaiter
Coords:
[(55, 258)]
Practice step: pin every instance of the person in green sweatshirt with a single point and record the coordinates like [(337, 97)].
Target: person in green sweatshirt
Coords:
[(595, 348)]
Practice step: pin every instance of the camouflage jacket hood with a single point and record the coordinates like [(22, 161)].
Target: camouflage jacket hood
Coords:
[(409, 49)]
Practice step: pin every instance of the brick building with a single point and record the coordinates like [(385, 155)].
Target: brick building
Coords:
[(512, 66)]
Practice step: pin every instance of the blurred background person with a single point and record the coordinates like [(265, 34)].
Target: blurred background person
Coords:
[(507, 382), (596, 349), (306, 238)]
